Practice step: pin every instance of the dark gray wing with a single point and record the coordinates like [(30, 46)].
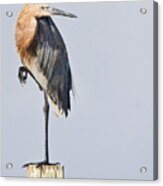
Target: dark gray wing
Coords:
[(53, 62)]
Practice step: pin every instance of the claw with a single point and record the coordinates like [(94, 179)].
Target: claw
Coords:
[(23, 74), (40, 164)]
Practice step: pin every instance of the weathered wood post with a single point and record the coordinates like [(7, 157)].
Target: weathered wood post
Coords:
[(45, 171)]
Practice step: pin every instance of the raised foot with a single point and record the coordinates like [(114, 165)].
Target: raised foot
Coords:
[(40, 164), (23, 74)]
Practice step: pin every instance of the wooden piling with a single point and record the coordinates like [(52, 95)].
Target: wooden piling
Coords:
[(45, 171)]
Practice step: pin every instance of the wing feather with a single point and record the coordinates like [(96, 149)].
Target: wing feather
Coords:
[(52, 62)]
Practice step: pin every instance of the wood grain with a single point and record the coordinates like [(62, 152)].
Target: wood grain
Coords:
[(45, 171)]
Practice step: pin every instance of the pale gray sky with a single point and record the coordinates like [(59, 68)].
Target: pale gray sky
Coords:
[(109, 132)]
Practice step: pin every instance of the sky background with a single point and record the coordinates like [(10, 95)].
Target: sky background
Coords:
[(109, 132)]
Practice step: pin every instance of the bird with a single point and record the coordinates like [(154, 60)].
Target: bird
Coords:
[(44, 57)]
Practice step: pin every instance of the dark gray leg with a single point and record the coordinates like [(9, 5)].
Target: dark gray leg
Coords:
[(46, 112)]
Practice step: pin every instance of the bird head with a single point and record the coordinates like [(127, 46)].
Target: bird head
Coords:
[(42, 10)]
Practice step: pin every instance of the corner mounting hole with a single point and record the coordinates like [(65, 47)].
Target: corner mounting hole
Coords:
[(9, 166), (143, 170), (143, 10), (9, 14)]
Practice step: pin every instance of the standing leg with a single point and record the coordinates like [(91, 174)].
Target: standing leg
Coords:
[(46, 160), (46, 112)]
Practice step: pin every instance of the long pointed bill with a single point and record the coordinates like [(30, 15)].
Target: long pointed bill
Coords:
[(55, 11)]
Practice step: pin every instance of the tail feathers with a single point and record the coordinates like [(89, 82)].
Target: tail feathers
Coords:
[(58, 112)]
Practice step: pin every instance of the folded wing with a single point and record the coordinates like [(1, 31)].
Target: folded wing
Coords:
[(50, 65)]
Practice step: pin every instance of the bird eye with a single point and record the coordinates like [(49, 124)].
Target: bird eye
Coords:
[(44, 7)]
